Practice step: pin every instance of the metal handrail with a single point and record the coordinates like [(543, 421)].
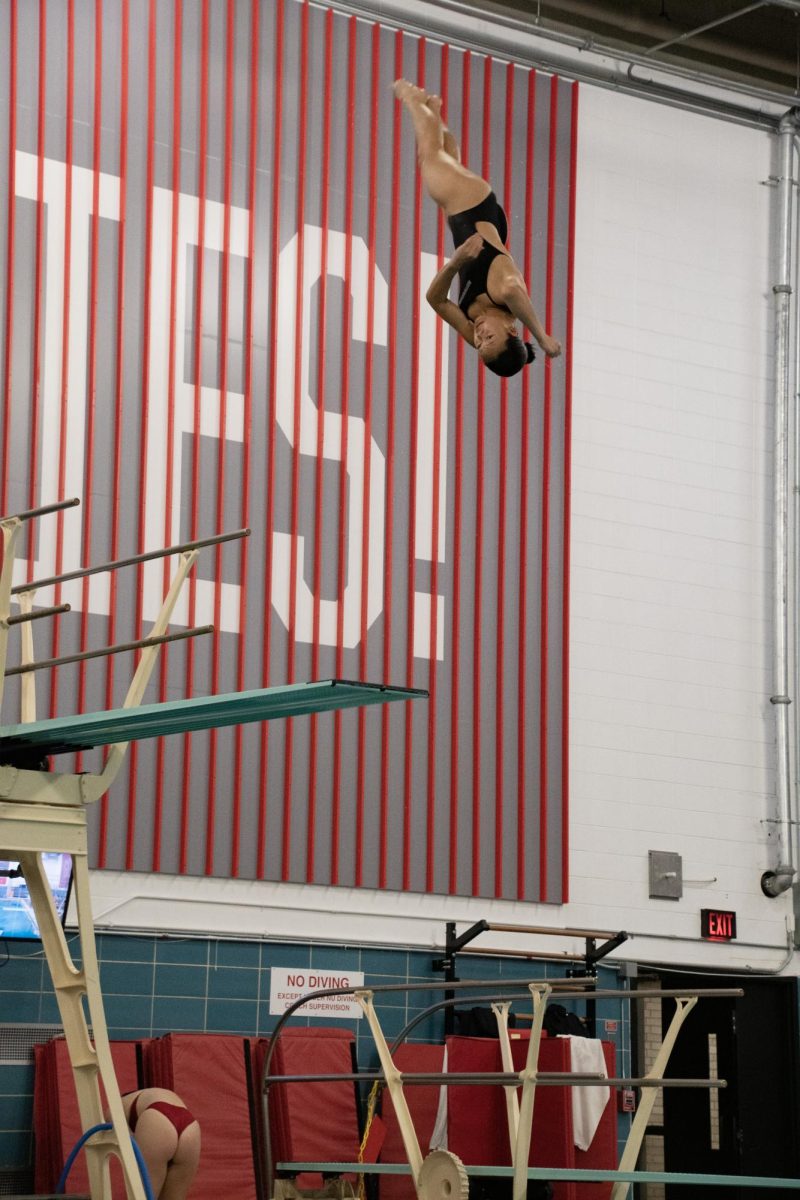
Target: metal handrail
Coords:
[(121, 648), (38, 613), (30, 513), (148, 556)]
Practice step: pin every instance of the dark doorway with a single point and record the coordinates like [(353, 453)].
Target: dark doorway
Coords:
[(751, 1126)]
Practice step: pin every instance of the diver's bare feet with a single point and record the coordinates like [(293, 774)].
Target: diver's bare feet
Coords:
[(405, 90)]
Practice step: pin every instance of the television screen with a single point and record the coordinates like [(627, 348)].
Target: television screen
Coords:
[(17, 919)]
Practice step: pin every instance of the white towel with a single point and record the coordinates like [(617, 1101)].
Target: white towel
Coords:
[(588, 1103), (439, 1136)]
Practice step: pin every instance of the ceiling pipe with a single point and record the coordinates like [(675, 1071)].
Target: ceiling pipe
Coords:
[(488, 29), (777, 880)]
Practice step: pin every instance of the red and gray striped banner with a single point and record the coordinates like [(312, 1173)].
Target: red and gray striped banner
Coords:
[(214, 264)]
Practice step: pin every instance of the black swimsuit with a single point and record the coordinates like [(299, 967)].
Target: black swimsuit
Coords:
[(473, 276)]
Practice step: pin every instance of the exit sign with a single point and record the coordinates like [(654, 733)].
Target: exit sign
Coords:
[(717, 924)]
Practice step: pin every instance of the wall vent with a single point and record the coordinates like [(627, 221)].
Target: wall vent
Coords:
[(17, 1181), (17, 1042)]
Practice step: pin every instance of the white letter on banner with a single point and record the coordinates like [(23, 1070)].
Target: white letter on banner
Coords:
[(156, 475), (331, 441), (53, 424)]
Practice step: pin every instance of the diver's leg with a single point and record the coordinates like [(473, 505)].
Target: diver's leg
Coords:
[(449, 183), (451, 146)]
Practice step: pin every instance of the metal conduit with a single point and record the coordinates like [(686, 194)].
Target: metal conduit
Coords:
[(794, 577), (502, 35), (777, 879)]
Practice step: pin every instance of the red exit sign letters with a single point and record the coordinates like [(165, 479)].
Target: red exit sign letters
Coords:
[(717, 924)]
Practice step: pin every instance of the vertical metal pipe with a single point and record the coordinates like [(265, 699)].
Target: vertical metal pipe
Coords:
[(794, 563), (778, 879)]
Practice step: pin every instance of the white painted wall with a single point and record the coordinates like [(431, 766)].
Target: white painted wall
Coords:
[(672, 729), (671, 726)]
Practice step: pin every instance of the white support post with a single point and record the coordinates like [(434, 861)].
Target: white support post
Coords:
[(683, 1006), (27, 681), (540, 994), (512, 1100), (90, 1062), (394, 1081)]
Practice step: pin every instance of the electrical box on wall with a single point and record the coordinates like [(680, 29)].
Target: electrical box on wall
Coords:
[(666, 875)]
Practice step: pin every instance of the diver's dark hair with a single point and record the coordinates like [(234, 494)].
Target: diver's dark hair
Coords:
[(517, 354)]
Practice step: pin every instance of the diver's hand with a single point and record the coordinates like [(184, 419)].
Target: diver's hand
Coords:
[(551, 347), (468, 250)]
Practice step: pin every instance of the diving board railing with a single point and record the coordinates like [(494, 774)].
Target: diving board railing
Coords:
[(440, 1175), (44, 811)]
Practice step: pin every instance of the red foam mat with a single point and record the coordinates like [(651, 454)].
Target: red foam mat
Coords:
[(313, 1122), (209, 1074), (56, 1120)]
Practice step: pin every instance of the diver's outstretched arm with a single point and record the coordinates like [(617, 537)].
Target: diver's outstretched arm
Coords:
[(515, 296)]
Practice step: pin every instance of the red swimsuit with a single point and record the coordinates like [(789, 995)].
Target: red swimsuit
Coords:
[(180, 1118)]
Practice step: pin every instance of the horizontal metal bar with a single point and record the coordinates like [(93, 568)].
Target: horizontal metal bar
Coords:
[(554, 1174), (148, 556), (661, 993), (450, 986), (142, 644), (502, 1078), (30, 513), (37, 613), (544, 955), (549, 931), (423, 1077)]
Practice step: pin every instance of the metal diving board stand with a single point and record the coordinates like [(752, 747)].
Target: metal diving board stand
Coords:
[(43, 811)]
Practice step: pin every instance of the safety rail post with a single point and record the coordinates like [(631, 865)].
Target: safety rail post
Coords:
[(683, 1006), (540, 994), (394, 1082), (501, 1012)]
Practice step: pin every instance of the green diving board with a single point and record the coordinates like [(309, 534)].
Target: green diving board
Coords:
[(66, 735), (555, 1174)]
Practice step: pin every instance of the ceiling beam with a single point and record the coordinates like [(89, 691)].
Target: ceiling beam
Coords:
[(690, 33)]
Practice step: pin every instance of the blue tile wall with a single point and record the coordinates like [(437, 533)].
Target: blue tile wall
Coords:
[(156, 985)]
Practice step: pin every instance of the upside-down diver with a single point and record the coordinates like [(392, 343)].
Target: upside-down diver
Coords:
[(493, 294)]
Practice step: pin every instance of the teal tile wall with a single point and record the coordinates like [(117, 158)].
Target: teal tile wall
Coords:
[(156, 985)]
